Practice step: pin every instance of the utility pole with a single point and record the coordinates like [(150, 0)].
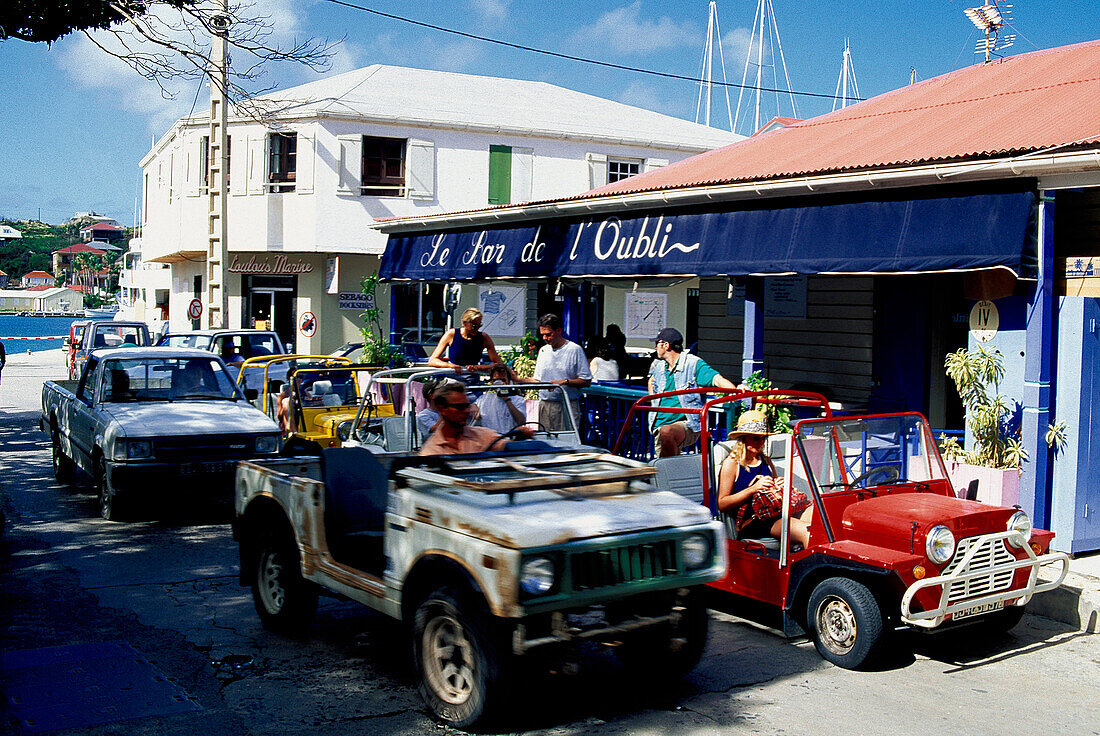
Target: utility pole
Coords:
[(217, 296)]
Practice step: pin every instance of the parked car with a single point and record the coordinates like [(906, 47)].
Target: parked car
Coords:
[(233, 346), (487, 558), (322, 394), (71, 343), (890, 545), (99, 334), (148, 422)]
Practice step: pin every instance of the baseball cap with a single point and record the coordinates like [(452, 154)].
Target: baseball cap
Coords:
[(669, 335)]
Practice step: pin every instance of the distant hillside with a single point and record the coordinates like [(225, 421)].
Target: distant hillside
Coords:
[(32, 252)]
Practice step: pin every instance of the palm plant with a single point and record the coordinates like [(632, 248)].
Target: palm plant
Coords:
[(977, 375)]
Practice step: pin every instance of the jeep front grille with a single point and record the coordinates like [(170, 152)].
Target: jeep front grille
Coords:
[(991, 554), (627, 564), (204, 447)]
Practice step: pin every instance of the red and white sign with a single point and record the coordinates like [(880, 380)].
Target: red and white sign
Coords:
[(308, 326), (194, 309)]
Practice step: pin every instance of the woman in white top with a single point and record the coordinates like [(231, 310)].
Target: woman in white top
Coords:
[(604, 366), (501, 411)]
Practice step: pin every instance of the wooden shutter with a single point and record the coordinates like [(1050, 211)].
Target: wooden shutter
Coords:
[(257, 163), (597, 169), (522, 162), (500, 174), (238, 157), (349, 166), (305, 170), (420, 169), (655, 163)]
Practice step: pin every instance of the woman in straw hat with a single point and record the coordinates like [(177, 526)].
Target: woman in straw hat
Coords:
[(749, 487)]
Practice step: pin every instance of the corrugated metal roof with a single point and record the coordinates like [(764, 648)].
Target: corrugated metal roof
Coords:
[(408, 96), (1019, 104)]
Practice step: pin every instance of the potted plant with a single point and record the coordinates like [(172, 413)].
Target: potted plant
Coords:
[(377, 350), (996, 454)]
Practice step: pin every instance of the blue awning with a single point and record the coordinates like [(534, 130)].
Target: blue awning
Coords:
[(907, 234)]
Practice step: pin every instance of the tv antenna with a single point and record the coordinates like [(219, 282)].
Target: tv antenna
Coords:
[(765, 32), (847, 88), (991, 18), (705, 74)]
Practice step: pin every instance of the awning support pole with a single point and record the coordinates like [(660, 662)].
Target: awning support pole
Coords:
[(1035, 483), (752, 354)]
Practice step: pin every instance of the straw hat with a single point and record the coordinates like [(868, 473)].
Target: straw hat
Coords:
[(751, 423)]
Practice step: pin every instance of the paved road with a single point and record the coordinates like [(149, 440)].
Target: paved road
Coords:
[(168, 588)]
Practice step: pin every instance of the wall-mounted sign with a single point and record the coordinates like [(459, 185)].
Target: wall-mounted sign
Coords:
[(984, 320), (269, 264), (332, 275), (785, 296), (1083, 276), (646, 314), (503, 309), (355, 301), (194, 309), (308, 324)]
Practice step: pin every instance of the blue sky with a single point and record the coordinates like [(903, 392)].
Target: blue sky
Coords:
[(76, 123)]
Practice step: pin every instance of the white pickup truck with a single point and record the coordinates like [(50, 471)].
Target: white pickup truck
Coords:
[(144, 422), (486, 557)]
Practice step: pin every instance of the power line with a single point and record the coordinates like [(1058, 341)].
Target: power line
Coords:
[(568, 57)]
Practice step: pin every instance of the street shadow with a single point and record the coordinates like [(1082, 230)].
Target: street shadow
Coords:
[(970, 647)]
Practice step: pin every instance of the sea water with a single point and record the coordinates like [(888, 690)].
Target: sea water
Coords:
[(12, 328)]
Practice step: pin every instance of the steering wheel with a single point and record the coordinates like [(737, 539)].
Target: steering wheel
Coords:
[(891, 474), (515, 433)]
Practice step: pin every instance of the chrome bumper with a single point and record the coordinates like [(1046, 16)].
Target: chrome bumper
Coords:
[(965, 570)]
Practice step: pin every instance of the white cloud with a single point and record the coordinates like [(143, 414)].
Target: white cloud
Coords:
[(624, 31), (457, 57), (495, 9), (92, 68), (640, 94), (735, 46)]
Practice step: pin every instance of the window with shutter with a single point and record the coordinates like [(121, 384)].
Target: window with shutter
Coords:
[(622, 168), (282, 163), (500, 174), (383, 173)]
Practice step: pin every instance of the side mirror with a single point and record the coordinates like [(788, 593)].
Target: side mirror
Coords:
[(251, 394)]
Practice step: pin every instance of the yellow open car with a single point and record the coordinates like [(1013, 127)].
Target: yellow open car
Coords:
[(311, 395)]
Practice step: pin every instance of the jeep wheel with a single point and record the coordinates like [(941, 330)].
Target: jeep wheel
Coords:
[(63, 468), (285, 601), (667, 653), (456, 660), (845, 622), (111, 507)]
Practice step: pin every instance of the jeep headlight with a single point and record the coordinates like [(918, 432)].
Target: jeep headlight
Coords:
[(537, 575), (141, 449), (695, 551), (1019, 522), (343, 430), (267, 443), (939, 544)]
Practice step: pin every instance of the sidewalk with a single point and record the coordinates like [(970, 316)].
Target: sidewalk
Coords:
[(1076, 602)]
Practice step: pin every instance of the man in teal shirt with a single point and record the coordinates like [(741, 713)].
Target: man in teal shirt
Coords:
[(675, 370)]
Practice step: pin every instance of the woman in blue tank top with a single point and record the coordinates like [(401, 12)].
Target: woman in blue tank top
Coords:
[(748, 486), (464, 346)]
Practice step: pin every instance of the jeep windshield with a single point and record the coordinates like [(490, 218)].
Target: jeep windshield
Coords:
[(166, 379), (866, 452)]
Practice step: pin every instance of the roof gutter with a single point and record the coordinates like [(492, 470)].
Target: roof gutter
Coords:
[(1027, 166)]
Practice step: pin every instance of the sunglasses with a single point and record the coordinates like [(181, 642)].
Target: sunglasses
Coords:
[(457, 404)]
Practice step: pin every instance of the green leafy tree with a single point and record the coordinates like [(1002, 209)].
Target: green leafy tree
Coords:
[(377, 349)]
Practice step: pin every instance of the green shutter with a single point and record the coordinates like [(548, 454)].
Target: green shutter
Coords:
[(500, 174)]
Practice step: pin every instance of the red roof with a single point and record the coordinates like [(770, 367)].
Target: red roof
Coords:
[(38, 275), (100, 226), (41, 287), (82, 288), (1023, 103), (80, 248)]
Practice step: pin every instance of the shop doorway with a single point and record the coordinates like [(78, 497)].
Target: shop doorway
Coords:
[(269, 304)]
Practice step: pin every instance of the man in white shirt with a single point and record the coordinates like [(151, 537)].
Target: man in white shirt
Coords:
[(501, 411), (562, 362)]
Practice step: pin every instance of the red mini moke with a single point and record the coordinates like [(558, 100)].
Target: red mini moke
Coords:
[(890, 544)]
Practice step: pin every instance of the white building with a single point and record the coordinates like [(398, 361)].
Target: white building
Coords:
[(53, 299), (378, 142)]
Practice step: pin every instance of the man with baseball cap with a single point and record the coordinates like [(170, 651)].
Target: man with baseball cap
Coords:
[(675, 370)]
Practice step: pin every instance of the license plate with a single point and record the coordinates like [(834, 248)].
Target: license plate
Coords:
[(977, 610), (205, 468)]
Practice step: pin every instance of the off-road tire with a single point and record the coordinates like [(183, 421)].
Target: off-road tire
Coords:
[(845, 622), (63, 468), (460, 668), (285, 601), (667, 653)]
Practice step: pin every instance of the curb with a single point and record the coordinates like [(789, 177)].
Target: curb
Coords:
[(1075, 602)]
